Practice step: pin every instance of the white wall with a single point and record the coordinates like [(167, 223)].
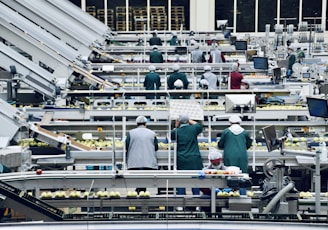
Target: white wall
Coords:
[(202, 15)]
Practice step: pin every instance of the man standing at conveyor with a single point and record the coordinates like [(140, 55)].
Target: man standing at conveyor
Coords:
[(141, 145), (156, 56), (152, 81), (235, 141), (188, 154)]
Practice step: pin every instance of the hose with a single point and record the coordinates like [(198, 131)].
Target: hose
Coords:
[(277, 197)]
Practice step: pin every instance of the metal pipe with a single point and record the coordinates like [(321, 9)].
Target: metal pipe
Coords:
[(277, 197)]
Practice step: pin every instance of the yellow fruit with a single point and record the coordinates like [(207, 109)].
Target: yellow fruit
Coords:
[(132, 208)]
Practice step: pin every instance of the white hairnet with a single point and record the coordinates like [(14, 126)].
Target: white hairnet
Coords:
[(152, 68), (141, 119), (234, 66), (214, 154), (207, 68), (178, 84), (184, 118), (176, 67), (235, 119)]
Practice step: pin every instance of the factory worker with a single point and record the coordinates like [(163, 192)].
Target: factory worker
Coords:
[(210, 77), (188, 154), (291, 59), (215, 159), (141, 145), (174, 41), (156, 56), (177, 75), (155, 40), (152, 81), (215, 162), (235, 77), (216, 56), (197, 55), (235, 141)]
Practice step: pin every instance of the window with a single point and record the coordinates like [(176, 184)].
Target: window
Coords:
[(289, 9), (246, 16), (267, 14)]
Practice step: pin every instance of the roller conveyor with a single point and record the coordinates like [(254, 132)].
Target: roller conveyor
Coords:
[(28, 205), (37, 78), (62, 21), (56, 139), (46, 50), (36, 42)]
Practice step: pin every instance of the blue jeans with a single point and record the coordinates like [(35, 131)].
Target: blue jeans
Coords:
[(182, 191)]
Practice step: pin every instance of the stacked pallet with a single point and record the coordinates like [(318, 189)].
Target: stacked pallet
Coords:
[(177, 18), (110, 16), (91, 10), (140, 18), (158, 18), (121, 19)]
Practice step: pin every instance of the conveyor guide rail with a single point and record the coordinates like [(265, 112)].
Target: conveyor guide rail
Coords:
[(25, 199), (235, 216)]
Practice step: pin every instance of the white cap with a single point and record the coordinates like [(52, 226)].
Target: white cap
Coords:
[(235, 119), (214, 154), (207, 68), (193, 42), (234, 66), (184, 118), (155, 47), (141, 120), (152, 68), (178, 83), (176, 67)]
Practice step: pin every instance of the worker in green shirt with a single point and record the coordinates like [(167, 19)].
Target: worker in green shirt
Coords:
[(188, 154), (152, 81), (235, 141), (156, 56)]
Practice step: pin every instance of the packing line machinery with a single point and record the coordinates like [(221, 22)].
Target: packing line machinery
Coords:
[(24, 192)]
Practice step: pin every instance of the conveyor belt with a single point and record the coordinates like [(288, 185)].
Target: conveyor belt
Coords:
[(190, 223), (55, 139), (28, 205), (34, 76), (60, 19)]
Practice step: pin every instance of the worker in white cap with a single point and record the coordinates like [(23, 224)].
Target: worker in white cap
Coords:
[(156, 56), (235, 77), (235, 141), (188, 154), (215, 159), (197, 55), (152, 81), (141, 146), (210, 77), (177, 75), (216, 55)]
